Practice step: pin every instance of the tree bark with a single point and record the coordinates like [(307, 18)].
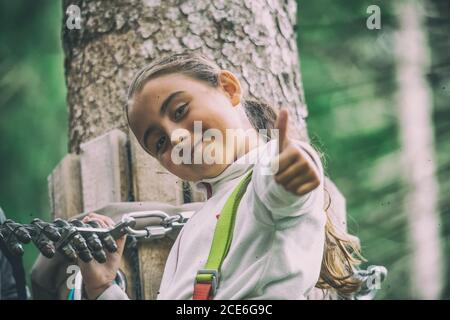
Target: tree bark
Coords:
[(255, 39), (418, 152)]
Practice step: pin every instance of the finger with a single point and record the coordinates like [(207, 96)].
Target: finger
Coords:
[(121, 244), (93, 241), (22, 234), (298, 181), (84, 266), (297, 169), (107, 240), (92, 218), (306, 188), (110, 243), (81, 247), (291, 164), (282, 126), (44, 244), (12, 243), (69, 252), (287, 158), (106, 221), (91, 238)]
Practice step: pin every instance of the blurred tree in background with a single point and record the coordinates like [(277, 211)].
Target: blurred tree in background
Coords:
[(350, 88), (349, 74), (438, 28)]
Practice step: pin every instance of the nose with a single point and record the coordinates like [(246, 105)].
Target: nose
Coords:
[(176, 140), (179, 136), (174, 131), (180, 141)]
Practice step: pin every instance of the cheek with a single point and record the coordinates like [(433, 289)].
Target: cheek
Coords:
[(210, 118), (166, 162)]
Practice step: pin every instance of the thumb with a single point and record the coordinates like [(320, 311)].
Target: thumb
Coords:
[(282, 125), (121, 244)]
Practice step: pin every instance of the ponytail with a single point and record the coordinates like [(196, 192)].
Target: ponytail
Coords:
[(341, 250)]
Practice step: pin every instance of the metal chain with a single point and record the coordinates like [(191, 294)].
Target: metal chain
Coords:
[(86, 240)]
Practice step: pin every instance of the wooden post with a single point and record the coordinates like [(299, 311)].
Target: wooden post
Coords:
[(104, 170), (152, 182), (64, 188)]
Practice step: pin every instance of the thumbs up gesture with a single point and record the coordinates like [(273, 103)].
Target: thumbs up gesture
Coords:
[(296, 172)]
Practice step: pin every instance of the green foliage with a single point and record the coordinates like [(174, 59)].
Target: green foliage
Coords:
[(349, 80), (33, 125)]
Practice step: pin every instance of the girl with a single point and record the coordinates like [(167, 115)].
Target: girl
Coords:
[(284, 244)]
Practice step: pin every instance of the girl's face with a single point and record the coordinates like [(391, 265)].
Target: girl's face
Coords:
[(174, 101)]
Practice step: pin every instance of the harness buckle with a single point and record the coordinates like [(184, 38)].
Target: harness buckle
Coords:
[(215, 278)]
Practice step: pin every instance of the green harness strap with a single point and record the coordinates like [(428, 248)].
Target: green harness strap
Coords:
[(207, 279)]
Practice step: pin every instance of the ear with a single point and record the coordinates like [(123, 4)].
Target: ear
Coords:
[(230, 84)]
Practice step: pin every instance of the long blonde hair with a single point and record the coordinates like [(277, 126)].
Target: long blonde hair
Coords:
[(342, 251)]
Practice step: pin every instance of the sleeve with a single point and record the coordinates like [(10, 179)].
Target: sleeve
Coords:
[(8, 289), (113, 293), (7, 282), (280, 202)]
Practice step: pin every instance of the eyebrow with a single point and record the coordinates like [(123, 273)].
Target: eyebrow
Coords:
[(162, 111)]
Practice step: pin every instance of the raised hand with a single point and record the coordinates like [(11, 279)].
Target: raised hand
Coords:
[(296, 173)]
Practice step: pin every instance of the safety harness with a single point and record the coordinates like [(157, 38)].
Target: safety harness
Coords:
[(208, 278)]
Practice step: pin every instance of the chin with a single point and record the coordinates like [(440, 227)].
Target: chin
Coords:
[(215, 170)]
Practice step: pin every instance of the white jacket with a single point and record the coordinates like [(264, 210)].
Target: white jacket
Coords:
[(278, 240)]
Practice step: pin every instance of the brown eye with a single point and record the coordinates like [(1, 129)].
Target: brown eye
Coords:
[(180, 111), (160, 143)]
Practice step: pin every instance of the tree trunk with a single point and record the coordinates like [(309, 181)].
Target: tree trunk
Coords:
[(418, 153), (255, 39)]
